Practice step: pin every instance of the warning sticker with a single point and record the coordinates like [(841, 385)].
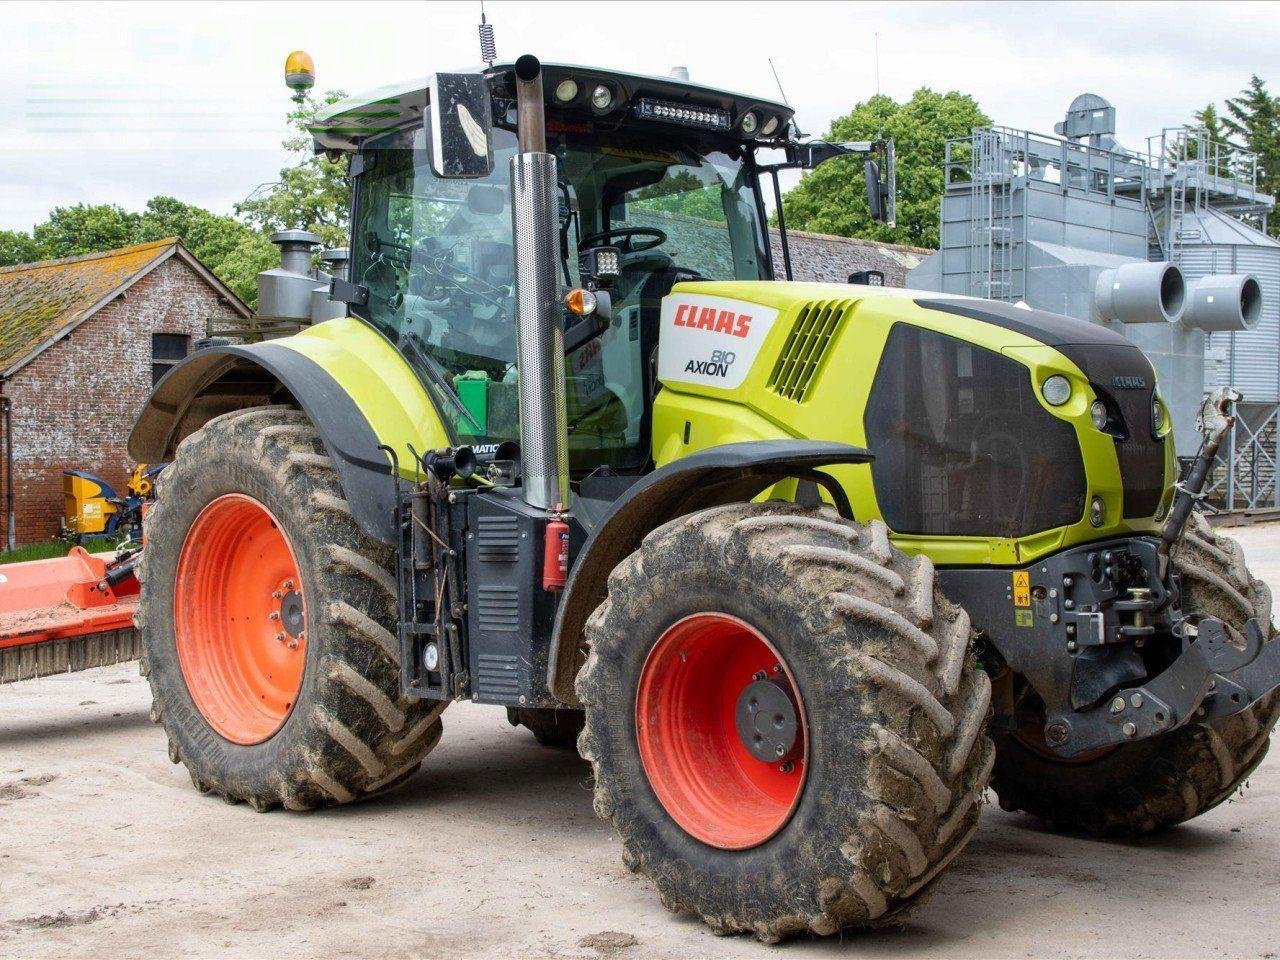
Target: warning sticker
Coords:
[(1023, 618), (1021, 588)]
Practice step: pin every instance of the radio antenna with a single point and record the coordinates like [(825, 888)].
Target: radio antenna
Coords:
[(783, 94), (877, 58), (778, 81), (488, 45)]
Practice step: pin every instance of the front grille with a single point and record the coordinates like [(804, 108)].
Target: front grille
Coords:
[(811, 335), (1115, 373), (962, 445)]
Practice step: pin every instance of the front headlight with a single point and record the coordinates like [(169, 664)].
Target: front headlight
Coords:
[(1056, 390), (1099, 415)]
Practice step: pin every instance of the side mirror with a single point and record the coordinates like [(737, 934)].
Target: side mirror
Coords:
[(875, 189), (879, 174), (461, 126)]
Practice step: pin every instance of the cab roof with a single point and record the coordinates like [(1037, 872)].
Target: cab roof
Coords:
[(343, 126)]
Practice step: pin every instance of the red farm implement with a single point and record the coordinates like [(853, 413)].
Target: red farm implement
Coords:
[(68, 613)]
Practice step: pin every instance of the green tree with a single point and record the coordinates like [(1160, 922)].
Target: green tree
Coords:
[(86, 228), (234, 251), (1254, 118), (832, 199), (312, 193), (19, 247)]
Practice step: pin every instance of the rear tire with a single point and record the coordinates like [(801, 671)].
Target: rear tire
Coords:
[(1141, 787), (880, 671), (347, 733), (551, 728)]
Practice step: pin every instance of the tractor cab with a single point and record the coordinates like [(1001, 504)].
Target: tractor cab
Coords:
[(658, 181)]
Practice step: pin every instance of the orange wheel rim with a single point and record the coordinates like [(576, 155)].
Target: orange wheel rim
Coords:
[(240, 619), (693, 739)]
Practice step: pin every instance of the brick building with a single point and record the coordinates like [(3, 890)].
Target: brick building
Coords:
[(81, 342), (830, 259)]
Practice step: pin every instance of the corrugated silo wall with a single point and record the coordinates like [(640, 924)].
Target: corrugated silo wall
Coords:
[(1249, 361)]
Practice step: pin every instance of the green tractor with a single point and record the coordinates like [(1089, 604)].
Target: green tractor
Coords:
[(802, 568)]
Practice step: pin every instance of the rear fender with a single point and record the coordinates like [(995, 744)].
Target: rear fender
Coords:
[(350, 381), (729, 473)]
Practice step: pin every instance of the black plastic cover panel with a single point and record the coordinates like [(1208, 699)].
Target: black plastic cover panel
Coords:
[(962, 445)]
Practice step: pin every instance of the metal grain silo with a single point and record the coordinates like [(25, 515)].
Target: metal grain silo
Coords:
[(1215, 243)]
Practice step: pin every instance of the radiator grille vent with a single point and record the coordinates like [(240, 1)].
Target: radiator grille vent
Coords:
[(806, 347), (497, 676), (498, 608), (498, 539)]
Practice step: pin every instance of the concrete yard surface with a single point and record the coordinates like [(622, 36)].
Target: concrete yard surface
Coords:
[(492, 850)]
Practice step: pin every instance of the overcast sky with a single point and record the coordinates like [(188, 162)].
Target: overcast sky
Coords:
[(118, 102)]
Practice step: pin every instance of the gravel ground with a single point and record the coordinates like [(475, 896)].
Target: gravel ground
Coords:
[(493, 851)]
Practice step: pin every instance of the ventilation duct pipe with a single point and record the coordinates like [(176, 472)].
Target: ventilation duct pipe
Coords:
[(1224, 302), (1140, 292), (322, 308)]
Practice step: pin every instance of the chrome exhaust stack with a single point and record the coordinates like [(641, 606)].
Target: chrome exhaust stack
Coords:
[(544, 442)]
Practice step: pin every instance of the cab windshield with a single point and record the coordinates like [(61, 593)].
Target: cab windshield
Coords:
[(436, 258)]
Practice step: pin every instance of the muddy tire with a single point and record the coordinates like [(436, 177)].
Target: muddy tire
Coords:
[(300, 710), (551, 728), (1156, 783), (885, 690)]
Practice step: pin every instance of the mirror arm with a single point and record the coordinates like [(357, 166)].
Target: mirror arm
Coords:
[(782, 223)]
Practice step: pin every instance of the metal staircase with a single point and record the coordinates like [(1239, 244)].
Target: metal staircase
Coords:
[(992, 244)]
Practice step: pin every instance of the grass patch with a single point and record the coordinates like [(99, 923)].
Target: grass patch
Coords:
[(54, 548)]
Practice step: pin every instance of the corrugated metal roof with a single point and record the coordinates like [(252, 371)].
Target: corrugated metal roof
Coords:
[(1208, 225), (40, 300)]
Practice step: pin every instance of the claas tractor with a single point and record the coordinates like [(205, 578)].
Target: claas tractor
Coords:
[(801, 568)]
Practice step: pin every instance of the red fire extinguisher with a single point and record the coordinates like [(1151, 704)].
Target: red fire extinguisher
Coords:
[(555, 553)]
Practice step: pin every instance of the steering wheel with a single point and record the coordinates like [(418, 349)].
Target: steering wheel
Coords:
[(606, 238)]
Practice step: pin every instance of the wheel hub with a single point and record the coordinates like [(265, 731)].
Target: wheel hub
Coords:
[(291, 616), (766, 720)]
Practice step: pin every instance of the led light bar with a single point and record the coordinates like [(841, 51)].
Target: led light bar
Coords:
[(689, 115)]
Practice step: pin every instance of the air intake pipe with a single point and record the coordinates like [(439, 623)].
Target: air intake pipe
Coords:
[(285, 292), (544, 437), (1223, 303), (1140, 292)]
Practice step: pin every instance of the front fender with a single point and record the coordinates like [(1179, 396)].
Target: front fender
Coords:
[(729, 473), (351, 382)]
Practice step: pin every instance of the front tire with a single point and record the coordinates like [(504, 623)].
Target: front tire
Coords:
[(880, 787), (1141, 787), (265, 616)]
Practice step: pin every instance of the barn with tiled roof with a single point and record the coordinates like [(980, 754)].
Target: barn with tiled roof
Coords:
[(81, 341)]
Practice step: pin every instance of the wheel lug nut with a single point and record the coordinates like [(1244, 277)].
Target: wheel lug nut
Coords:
[(278, 594), (273, 615), (780, 750), (288, 584), (280, 637), (293, 644), (786, 767), (759, 675)]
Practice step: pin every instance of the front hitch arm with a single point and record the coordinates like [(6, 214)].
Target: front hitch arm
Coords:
[(1217, 416), (1214, 677)]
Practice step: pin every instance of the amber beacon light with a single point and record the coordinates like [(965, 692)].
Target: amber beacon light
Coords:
[(299, 73)]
